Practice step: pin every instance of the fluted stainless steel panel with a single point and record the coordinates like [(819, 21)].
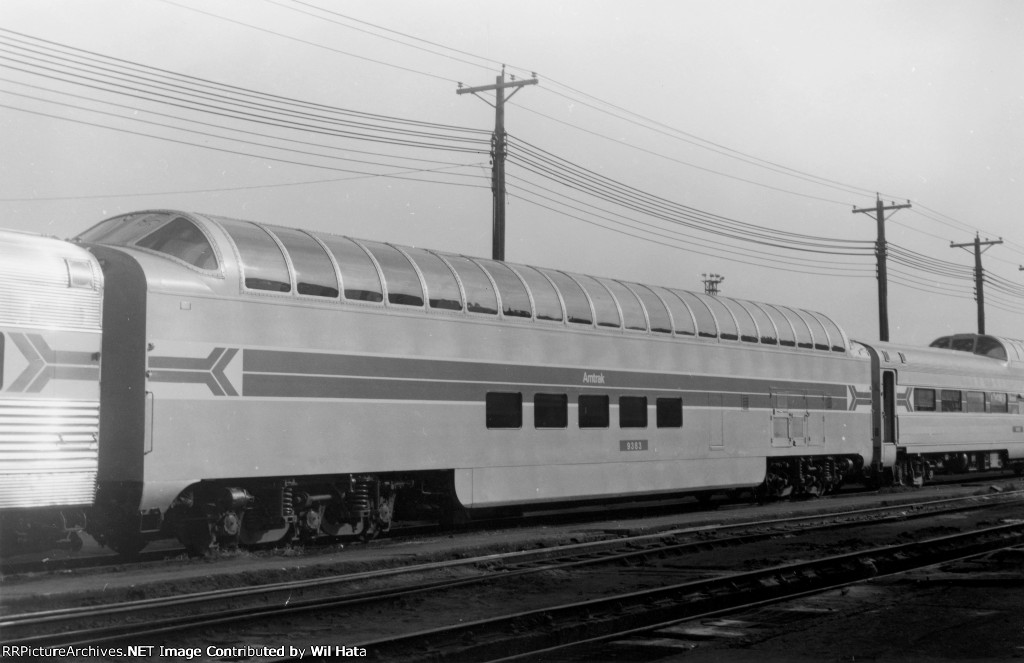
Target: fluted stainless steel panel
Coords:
[(37, 288), (49, 452)]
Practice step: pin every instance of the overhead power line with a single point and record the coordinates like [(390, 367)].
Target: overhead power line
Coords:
[(394, 175), (247, 106), (620, 113), (574, 189), (630, 225), (575, 177), (39, 46)]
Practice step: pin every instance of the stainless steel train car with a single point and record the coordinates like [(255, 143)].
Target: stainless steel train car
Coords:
[(955, 406), (263, 382), (51, 301)]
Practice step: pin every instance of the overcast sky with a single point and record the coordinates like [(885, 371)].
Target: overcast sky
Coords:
[(749, 120)]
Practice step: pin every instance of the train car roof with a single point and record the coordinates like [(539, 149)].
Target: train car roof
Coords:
[(983, 345), (954, 367), (324, 267), (14, 241), (40, 257)]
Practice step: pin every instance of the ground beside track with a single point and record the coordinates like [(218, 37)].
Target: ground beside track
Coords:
[(180, 575), (959, 612)]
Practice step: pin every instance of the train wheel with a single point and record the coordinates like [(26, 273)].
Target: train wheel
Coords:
[(127, 544), (368, 532), (379, 520), (385, 512), (197, 537), (73, 541), (251, 533)]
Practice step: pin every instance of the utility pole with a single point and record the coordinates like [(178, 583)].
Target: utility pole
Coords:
[(711, 282), (498, 151), (979, 293), (880, 252)]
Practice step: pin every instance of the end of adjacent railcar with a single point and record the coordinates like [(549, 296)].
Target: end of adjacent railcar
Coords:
[(954, 407), (51, 301)]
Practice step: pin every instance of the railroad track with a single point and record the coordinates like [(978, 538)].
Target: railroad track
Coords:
[(536, 633), (62, 560), (155, 619)]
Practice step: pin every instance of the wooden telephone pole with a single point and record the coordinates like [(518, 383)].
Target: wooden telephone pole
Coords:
[(979, 293), (498, 153), (880, 254)]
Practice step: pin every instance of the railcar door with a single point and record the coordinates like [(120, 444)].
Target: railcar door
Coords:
[(884, 426), (889, 424)]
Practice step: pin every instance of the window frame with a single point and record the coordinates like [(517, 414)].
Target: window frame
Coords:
[(705, 324), (512, 290), (476, 284), (285, 237), (438, 278), (575, 300), (550, 411), (254, 274), (918, 406), (541, 291), (173, 219), (604, 304), (398, 272), (634, 318), (633, 412), (599, 418), (668, 410), (348, 253), (659, 318), (946, 399), (503, 415)]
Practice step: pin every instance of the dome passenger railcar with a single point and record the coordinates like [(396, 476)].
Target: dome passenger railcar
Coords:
[(51, 299), (955, 406), (266, 382)]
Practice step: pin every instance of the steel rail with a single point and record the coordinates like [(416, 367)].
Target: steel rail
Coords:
[(509, 564), (529, 633), (97, 561)]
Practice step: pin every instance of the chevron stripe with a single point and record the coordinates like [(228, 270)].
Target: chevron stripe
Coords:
[(45, 364), (192, 370)]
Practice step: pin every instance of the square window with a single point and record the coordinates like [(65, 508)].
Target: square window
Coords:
[(951, 401), (924, 400), (550, 410), (593, 411), (504, 409), (669, 412), (633, 412)]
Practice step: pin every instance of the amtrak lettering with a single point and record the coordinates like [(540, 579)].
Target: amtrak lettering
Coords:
[(593, 378)]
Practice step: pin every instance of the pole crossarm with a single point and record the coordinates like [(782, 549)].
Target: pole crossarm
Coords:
[(988, 243), (885, 208), (506, 85)]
